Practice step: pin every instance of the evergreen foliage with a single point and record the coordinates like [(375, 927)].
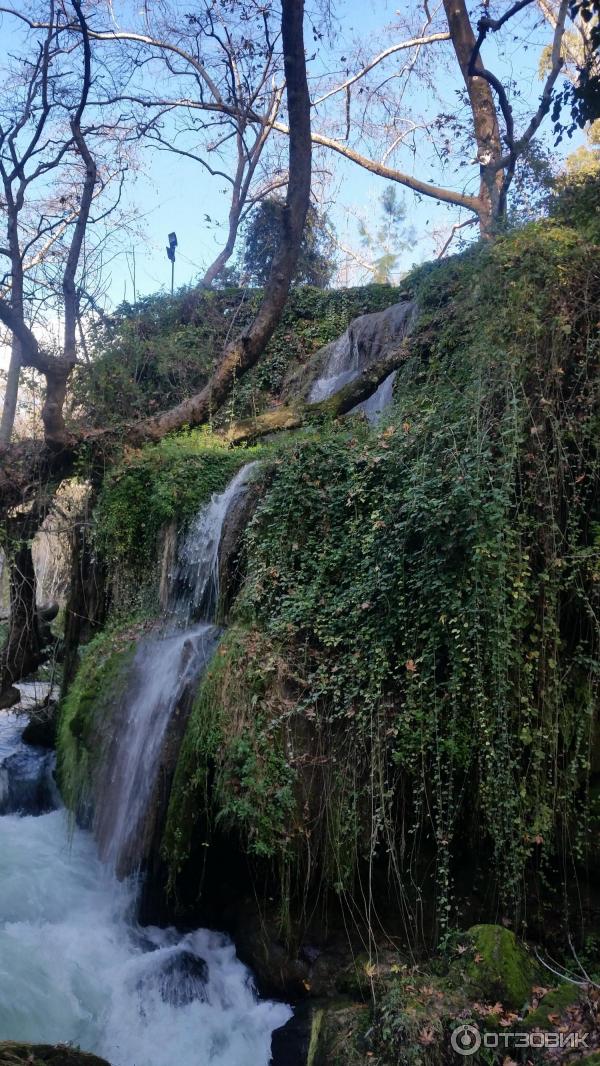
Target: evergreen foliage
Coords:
[(316, 262), (431, 586)]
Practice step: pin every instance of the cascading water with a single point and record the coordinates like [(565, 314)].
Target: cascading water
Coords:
[(363, 343), (164, 668), (160, 673), (74, 964), (196, 586)]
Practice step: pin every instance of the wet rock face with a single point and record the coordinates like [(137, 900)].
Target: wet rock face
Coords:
[(181, 980), (27, 784), (231, 551), (367, 339), (290, 1044), (323, 967), (12, 1054), (40, 731)]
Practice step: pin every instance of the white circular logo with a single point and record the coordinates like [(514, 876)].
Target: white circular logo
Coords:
[(466, 1039)]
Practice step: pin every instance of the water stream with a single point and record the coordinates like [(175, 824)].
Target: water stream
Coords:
[(365, 341), (75, 966)]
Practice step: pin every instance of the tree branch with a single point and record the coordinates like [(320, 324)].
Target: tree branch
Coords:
[(437, 192), (414, 43)]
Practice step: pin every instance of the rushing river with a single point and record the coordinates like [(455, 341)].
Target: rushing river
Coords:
[(75, 967)]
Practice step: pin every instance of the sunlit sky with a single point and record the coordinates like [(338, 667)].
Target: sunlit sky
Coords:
[(171, 193)]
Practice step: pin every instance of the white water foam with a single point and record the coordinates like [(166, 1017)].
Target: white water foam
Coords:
[(75, 967)]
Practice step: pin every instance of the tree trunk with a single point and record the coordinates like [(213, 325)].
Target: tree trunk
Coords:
[(243, 352), (226, 252), (87, 602), (11, 395), (22, 651), (485, 118)]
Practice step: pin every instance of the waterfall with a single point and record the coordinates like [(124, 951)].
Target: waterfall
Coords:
[(165, 669), (195, 590), (365, 341), (161, 672), (74, 964)]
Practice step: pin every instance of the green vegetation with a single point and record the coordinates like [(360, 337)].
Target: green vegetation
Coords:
[(158, 484), (494, 967), (430, 586), (553, 1005), (85, 711), (316, 261), (155, 353), (488, 983), (384, 244), (233, 768)]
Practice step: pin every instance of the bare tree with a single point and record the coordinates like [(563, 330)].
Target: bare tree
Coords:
[(372, 127), (49, 180), (226, 83), (27, 468)]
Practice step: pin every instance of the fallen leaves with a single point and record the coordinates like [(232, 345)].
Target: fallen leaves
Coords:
[(427, 1036)]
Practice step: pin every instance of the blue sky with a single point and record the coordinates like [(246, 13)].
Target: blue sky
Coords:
[(172, 193)]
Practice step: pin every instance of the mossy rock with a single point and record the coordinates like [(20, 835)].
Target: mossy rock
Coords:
[(12, 1054), (496, 968), (555, 1002), (358, 977)]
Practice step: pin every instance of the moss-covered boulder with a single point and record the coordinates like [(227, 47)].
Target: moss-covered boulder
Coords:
[(12, 1054), (551, 1006), (496, 967)]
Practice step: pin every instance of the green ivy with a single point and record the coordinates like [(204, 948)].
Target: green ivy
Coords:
[(435, 581), (161, 483)]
